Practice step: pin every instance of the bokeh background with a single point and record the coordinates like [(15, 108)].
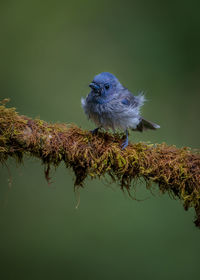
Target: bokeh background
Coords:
[(49, 53)]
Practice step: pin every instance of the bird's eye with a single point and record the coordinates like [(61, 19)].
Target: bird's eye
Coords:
[(107, 86)]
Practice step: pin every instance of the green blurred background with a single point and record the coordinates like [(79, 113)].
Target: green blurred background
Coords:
[(49, 53)]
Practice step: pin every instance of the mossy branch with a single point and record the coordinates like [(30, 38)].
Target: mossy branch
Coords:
[(176, 171)]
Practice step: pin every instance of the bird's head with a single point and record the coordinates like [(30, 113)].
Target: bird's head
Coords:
[(104, 84)]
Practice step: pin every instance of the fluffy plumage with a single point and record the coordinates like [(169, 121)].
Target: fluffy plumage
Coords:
[(112, 106)]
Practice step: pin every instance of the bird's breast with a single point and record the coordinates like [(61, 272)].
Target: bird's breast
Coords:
[(112, 114)]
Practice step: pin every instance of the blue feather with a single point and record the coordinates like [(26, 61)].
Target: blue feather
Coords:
[(125, 102)]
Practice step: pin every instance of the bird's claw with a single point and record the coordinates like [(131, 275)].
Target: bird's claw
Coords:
[(94, 131), (124, 144)]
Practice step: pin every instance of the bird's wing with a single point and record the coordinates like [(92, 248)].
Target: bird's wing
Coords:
[(127, 98)]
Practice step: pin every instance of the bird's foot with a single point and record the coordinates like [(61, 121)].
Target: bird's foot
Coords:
[(124, 144), (94, 131)]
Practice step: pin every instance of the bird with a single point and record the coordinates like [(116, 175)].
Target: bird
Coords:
[(110, 105)]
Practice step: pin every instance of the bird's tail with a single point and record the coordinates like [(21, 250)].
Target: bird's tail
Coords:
[(144, 125)]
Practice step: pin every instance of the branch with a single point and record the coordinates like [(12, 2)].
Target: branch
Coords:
[(176, 171)]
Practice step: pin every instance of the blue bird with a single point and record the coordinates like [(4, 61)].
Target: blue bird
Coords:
[(112, 106)]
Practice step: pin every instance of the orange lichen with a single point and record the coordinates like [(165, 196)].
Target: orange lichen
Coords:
[(176, 171)]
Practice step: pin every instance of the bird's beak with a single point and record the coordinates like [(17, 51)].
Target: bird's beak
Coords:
[(96, 88)]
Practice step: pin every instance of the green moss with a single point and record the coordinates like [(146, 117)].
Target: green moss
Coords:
[(176, 171)]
